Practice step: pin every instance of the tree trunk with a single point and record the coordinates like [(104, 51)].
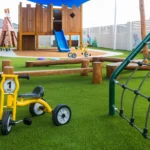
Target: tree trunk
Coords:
[(143, 26)]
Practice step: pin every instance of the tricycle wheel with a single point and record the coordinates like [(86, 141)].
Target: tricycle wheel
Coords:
[(86, 54), (6, 122), (36, 109), (74, 55), (61, 115), (70, 55)]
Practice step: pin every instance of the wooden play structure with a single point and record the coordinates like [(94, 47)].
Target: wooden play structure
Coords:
[(8, 37), (36, 21)]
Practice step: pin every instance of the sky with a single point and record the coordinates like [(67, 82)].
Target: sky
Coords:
[(95, 12)]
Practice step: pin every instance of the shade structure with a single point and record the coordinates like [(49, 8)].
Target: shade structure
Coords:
[(69, 3)]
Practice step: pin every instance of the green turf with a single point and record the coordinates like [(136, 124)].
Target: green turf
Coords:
[(90, 128)]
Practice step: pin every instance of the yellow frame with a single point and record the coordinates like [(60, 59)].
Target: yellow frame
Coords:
[(83, 49), (12, 101)]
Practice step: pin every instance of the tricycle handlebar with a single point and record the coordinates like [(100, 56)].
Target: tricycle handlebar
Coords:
[(24, 76)]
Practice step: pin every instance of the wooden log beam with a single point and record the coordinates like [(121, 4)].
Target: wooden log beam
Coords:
[(107, 59), (53, 72), (132, 67), (110, 68), (54, 62), (70, 61)]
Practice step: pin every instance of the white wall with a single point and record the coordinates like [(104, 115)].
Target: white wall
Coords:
[(128, 35)]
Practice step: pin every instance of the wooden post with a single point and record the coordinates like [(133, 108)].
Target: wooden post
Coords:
[(110, 68), (29, 64), (85, 64), (96, 59), (143, 26), (8, 70), (36, 26), (5, 63), (70, 41), (20, 28), (51, 22), (97, 72), (81, 30)]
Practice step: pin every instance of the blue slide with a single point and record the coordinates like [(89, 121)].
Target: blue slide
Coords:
[(61, 41)]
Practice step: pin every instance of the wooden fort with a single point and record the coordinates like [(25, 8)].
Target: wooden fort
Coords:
[(36, 21)]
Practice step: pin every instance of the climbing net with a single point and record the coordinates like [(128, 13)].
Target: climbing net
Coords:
[(136, 94)]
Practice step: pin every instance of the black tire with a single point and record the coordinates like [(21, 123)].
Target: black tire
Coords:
[(61, 115), (36, 109), (86, 54), (6, 122), (74, 55), (70, 55)]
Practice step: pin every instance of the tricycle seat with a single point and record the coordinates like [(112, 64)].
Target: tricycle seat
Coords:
[(36, 93)]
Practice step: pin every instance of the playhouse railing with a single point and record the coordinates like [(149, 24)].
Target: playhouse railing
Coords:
[(119, 69)]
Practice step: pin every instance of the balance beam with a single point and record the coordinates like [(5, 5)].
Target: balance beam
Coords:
[(54, 72), (54, 62), (107, 59), (110, 68), (70, 61), (96, 77), (84, 70)]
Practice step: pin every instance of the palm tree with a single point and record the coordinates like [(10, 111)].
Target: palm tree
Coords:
[(143, 25)]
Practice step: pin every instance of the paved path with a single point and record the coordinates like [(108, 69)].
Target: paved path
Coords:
[(7, 54)]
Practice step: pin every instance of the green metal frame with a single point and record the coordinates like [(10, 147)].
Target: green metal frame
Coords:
[(119, 69)]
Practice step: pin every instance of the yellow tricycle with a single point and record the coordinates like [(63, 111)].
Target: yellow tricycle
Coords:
[(83, 50), (9, 87)]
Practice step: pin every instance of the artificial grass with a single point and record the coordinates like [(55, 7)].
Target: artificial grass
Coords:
[(125, 52), (90, 127)]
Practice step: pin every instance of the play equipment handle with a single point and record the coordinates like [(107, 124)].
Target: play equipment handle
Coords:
[(24, 76)]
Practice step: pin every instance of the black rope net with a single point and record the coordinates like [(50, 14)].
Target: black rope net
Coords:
[(136, 94)]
